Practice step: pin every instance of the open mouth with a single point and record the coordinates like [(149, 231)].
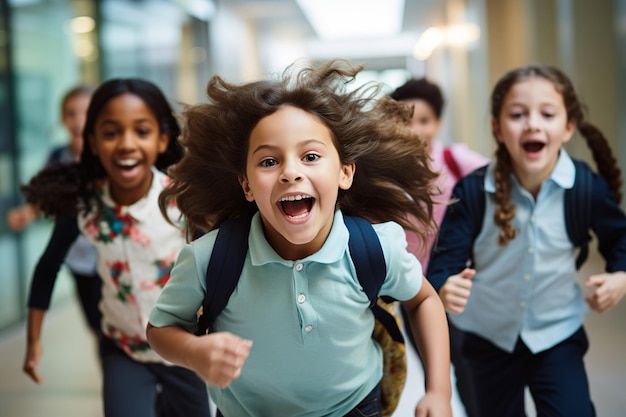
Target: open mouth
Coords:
[(127, 163), (533, 146), (296, 206)]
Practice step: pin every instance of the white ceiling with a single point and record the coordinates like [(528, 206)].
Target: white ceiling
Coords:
[(284, 16), (418, 14)]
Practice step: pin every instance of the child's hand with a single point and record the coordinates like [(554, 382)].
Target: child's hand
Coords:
[(434, 405), (33, 355), (20, 217), (456, 291), (218, 357), (610, 289)]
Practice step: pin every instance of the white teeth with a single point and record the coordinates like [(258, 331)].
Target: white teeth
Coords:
[(294, 197), (127, 162), (299, 216)]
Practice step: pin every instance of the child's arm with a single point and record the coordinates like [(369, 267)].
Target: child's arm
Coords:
[(608, 222), (64, 234), (610, 289), (217, 357), (430, 329), (33, 343)]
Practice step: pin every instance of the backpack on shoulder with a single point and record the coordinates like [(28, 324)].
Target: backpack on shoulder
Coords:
[(577, 206), (226, 264)]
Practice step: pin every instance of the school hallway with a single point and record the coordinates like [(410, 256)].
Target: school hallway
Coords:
[(72, 379)]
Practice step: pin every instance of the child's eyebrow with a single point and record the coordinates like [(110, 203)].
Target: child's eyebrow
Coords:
[(107, 122), (301, 144), (117, 122)]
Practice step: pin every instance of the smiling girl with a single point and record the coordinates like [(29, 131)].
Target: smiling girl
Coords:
[(110, 196), (519, 304), (296, 154)]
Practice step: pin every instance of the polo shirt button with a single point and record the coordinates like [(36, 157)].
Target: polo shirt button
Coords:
[(308, 328), (530, 250), (301, 298), (522, 304), (299, 267)]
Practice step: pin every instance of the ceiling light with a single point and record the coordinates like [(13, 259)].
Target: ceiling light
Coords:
[(462, 35), (345, 19), (82, 24), (427, 43)]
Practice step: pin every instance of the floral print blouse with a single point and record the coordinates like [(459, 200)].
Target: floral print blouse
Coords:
[(137, 248)]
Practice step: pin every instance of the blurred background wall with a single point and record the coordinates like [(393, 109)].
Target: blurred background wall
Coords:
[(48, 46)]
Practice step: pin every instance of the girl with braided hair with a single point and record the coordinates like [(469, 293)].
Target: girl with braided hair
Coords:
[(508, 276)]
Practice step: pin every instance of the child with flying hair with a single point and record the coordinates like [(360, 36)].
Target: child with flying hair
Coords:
[(111, 197), (508, 275), (297, 154)]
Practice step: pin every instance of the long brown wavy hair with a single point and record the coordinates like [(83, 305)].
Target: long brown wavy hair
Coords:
[(596, 141), (393, 176)]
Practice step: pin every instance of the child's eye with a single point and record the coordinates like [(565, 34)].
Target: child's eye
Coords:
[(310, 157), (268, 162), (548, 115), (424, 120), (516, 115), (109, 134), (143, 132)]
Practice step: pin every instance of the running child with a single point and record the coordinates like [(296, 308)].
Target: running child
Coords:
[(518, 301), (111, 197), (296, 154)]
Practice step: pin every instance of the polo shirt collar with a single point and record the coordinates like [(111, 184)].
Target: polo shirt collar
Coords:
[(333, 250)]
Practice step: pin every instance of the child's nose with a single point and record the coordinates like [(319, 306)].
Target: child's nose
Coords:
[(127, 140), (532, 122), (290, 173)]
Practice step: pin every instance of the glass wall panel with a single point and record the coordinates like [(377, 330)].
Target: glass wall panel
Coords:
[(10, 293), (160, 41), (46, 59)]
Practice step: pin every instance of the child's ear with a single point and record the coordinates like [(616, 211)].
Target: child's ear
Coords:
[(346, 175), (164, 140), (246, 188)]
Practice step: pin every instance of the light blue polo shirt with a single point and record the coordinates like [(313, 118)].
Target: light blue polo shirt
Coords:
[(309, 319), (527, 288)]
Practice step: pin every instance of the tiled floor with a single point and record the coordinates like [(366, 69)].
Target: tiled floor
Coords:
[(72, 378)]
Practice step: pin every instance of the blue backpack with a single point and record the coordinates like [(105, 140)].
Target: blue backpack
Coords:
[(226, 264)]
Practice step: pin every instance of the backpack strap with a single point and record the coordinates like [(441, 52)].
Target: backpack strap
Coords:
[(371, 269), (474, 194), (472, 189), (367, 255), (578, 210), (451, 163), (225, 266)]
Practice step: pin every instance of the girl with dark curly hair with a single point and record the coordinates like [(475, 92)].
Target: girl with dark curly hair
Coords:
[(111, 197)]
